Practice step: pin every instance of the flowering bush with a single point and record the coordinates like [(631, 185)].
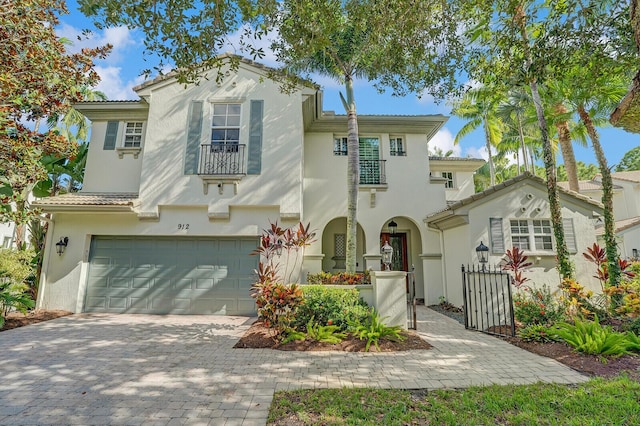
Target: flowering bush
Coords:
[(339, 278), (578, 302), (536, 306)]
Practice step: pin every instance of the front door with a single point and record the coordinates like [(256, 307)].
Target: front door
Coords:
[(398, 241)]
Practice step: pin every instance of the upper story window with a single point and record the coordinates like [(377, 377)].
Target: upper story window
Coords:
[(133, 134), (225, 127), (534, 235), (397, 146), (450, 182), (340, 146)]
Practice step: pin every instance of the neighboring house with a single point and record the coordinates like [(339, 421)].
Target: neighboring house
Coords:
[(180, 183), (515, 213), (626, 209)]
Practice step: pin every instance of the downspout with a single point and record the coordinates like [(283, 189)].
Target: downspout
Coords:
[(442, 265), (45, 260)]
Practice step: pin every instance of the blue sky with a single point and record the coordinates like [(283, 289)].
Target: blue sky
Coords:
[(120, 72)]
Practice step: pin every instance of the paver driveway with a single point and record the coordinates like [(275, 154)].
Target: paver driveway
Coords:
[(140, 369)]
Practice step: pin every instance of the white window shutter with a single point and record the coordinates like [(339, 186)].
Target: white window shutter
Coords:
[(570, 235), (496, 235)]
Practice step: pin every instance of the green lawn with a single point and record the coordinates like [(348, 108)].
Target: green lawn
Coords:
[(597, 402)]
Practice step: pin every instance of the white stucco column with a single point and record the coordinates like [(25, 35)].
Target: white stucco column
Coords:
[(390, 297), (372, 261), (312, 264)]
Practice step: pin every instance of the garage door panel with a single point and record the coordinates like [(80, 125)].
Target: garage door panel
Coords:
[(164, 275)]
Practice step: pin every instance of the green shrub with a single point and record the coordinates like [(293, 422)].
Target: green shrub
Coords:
[(537, 333), (331, 306), (591, 338), (536, 306), (634, 326), (373, 329)]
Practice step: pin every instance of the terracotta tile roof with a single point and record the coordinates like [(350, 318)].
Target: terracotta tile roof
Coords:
[(622, 225), (587, 185), (436, 158), (631, 176), (89, 199)]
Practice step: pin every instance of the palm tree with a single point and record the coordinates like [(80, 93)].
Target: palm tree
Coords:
[(593, 104), (518, 115), (478, 106)]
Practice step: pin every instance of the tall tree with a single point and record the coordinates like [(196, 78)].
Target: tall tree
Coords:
[(478, 106), (406, 46), (529, 42), (630, 160), (38, 78)]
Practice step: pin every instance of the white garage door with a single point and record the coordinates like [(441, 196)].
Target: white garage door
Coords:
[(171, 275)]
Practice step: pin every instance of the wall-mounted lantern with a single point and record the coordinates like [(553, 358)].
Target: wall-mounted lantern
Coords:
[(393, 227), (62, 245), (483, 254), (387, 255)]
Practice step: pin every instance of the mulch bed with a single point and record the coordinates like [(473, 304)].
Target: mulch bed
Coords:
[(18, 319), (258, 336), (591, 365)]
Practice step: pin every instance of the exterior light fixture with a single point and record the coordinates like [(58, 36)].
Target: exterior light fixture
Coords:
[(387, 255), (393, 227), (634, 253), (483, 254), (62, 245)]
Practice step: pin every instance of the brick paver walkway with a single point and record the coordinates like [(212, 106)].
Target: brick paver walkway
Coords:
[(165, 370)]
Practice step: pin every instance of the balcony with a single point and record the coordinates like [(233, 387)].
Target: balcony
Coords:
[(372, 172), (221, 164), (221, 160)]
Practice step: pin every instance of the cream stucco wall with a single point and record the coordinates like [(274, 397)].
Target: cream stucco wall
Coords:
[(460, 242), (406, 198), (64, 277), (278, 184)]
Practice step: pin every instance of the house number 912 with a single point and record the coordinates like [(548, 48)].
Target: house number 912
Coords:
[(183, 226)]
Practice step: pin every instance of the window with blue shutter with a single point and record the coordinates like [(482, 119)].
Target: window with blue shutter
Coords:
[(194, 130), (254, 160), (111, 136)]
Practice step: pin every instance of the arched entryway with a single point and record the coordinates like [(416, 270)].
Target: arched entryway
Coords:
[(334, 243)]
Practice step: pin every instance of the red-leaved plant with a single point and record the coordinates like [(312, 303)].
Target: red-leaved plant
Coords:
[(516, 262), (596, 254), (277, 299)]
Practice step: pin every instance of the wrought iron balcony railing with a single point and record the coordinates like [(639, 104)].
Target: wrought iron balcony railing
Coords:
[(221, 159), (372, 172)]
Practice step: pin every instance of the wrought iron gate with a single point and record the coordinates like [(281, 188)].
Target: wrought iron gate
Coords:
[(488, 304), (411, 298)]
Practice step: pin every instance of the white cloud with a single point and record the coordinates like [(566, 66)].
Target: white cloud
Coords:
[(114, 86), (475, 152), (444, 141), (121, 38)]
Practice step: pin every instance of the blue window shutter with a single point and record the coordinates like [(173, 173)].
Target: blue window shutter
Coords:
[(254, 159), (570, 235), (194, 130), (496, 235), (111, 135)]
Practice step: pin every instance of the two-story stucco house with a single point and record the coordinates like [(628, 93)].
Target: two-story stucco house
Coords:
[(626, 208), (180, 183)]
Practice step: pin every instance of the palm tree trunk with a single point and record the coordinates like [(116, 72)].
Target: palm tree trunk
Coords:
[(353, 177), (564, 265), (607, 199), (564, 139), (487, 135), (523, 147)]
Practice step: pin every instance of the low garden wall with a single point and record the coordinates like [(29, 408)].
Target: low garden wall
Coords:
[(386, 293)]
